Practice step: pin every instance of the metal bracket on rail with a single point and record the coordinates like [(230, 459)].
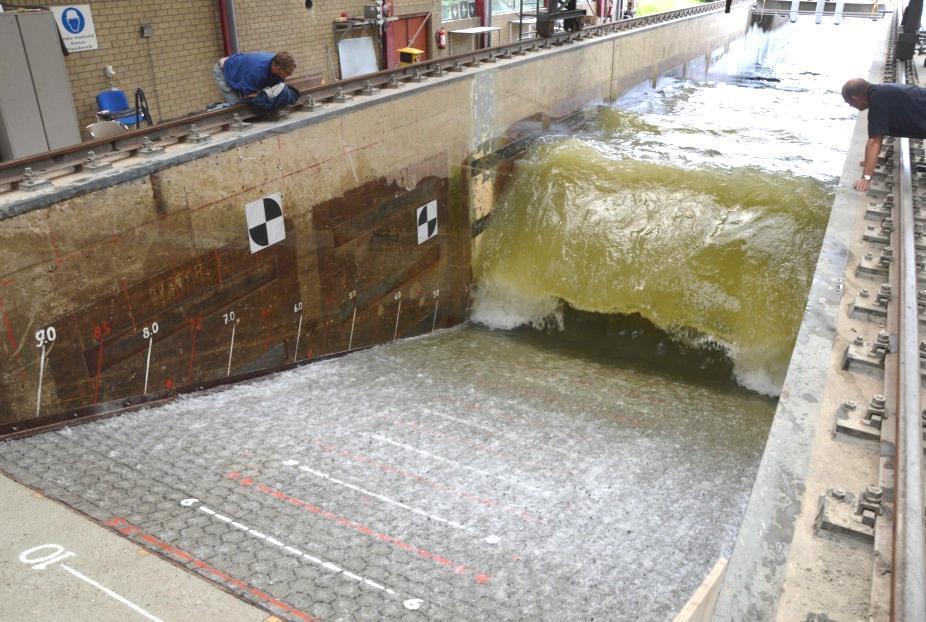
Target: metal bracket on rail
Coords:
[(871, 355)]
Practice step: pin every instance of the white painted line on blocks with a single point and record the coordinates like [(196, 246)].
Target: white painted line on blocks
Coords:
[(289, 549), (383, 498), (511, 480), (501, 434), (111, 594)]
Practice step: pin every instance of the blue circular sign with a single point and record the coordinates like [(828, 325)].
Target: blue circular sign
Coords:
[(73, 20)]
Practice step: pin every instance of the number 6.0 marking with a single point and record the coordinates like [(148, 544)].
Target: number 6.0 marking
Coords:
[(150, 331), (45, 336)]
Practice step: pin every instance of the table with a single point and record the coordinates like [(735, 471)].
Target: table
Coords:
[(475, 32), (528, 30)]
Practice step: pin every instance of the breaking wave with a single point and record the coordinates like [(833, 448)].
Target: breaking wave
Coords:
[(722, 256)]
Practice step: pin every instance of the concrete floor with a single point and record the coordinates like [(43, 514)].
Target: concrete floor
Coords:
[(431, 479)]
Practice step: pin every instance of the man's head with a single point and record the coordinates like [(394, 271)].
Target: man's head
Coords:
[(855, 93), (282, 65)]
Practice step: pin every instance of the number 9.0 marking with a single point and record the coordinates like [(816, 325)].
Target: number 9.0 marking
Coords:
[(45, 336)]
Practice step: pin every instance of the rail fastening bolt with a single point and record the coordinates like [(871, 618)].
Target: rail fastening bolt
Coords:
[(874, 494), (849, 405)]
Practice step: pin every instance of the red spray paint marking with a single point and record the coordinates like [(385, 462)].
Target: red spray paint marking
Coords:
[(10, 335), (128, 304), (265, 315), (130, 530), (218, 266), (59, 260), (169, 384), (426, 481), (99, 374), (479, 577), (195, 325)]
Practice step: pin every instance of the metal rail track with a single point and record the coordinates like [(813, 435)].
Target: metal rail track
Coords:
[(25, 173), (909, 570)]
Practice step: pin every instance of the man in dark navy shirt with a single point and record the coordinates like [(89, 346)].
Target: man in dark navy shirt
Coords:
[(893, 110), (241, 76)]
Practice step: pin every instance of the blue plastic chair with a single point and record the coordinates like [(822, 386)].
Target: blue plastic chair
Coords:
[(113, 105)]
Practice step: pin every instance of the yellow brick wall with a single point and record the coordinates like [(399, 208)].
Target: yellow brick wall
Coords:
[(174, 66), (307, 34)]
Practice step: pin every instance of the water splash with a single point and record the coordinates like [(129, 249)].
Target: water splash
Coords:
[(727, 253)]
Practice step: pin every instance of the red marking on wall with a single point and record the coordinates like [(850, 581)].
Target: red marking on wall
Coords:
[(59, 259), (99, 375), (10, 334), (132, 532), (196, 324), (218, 266), (128, 304), (427, 481), (481, 578), (169, 383), (265, 315)]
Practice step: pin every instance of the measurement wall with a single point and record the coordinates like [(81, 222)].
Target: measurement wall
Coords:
[(342, 227)]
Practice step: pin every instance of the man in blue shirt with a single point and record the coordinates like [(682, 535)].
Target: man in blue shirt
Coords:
[(241, 76), (893, 110)]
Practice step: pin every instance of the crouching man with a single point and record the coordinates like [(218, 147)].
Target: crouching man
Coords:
[(256, 78)]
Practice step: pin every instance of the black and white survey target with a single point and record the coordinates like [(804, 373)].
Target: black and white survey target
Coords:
[(265, 221), (427, 222)]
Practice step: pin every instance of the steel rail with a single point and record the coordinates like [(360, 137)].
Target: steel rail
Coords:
[(909, 570), (14, 173)]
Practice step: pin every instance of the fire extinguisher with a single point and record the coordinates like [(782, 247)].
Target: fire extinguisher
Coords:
[(441, 38)]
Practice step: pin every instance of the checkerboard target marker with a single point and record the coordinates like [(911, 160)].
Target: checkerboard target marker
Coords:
[(427, 222), (265, 221)]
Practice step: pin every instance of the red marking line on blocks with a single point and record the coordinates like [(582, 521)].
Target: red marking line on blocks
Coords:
[(127, 529), (521, 513), (479, 577)]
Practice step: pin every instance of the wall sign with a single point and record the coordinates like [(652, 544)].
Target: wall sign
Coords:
[(427, 222), (265, 221), (75, 23)]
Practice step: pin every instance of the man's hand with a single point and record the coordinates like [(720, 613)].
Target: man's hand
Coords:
[(872, 149)]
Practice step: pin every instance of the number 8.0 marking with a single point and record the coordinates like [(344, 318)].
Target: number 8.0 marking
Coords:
[(45, 336), (150, 331)]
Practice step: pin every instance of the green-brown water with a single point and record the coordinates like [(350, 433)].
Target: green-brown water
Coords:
[(699, 206)]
